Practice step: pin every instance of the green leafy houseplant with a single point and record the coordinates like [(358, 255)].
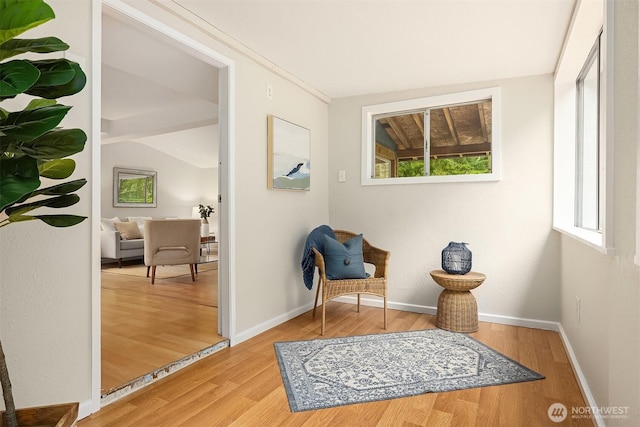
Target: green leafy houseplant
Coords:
[(32, 146), (205, 211)]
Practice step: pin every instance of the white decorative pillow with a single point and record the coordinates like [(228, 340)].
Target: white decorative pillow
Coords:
[(138, 219), (108, 224)]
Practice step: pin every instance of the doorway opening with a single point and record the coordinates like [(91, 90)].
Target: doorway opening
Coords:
[(175, 122)]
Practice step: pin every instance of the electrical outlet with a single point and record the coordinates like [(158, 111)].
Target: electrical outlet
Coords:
[(578, 311), (269, 92)]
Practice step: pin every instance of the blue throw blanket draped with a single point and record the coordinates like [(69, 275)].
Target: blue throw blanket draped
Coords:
[(315, 239)]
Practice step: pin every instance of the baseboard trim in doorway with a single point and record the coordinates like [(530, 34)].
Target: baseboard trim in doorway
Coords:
[(145, 380)]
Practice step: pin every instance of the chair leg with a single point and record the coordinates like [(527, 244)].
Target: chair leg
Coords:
[(153, 274), (315, 304), (324, 305), (148, 268), (385, 312), (358, 303), (193, 276)]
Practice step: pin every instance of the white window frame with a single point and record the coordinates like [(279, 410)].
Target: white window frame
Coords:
[(583, 168), (590, 19), (370, 112)]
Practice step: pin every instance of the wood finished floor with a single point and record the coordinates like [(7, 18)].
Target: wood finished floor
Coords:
[(145, 327), (242, 386)]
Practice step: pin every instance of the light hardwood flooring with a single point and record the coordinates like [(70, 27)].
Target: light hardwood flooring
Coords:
[(145, 327), (242, 386)]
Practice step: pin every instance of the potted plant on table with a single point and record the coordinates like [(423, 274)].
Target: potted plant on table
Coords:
[(33, 149), (205, 213)]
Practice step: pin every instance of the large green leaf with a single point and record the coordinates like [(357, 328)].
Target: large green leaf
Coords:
[(54, 72), (75, 85), (16, 77), (57, 202), (16, 17), (53, 220), (57, 168), (61, 220), (18, 177), (13, 188), (39, 102), (56, 190), (15, 47), (55, 144), (19, 166), (27, 125)]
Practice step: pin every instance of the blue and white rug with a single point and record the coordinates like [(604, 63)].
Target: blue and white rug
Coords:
[(323, 373)]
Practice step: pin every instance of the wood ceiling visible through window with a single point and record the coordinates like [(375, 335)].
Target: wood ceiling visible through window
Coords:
[(456, 130)]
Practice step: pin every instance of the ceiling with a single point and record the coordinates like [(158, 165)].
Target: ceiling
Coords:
[(339, 48), (167, 101), (352, 47)]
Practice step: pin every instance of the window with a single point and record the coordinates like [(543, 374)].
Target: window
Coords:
[(587, 203), (439, 139), (583, 132)]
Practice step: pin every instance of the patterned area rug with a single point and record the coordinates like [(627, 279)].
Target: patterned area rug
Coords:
[(323, 373)]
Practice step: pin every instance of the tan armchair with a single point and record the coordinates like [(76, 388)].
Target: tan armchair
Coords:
[(171, 242), (373, 285)]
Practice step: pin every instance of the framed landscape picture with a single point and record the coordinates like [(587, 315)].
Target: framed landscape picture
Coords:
[(134, 188), (289, 165)]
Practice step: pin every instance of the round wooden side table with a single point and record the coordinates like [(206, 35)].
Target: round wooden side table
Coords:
[(457, 307)]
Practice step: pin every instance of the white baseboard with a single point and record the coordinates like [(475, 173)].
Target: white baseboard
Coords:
[(483, 317), (582, 381), (271, 323), (519, 321), (87, 408)]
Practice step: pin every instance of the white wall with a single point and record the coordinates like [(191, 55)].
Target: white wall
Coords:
[(45, 272), (606, 338), (181, 186), (272, 224), (506, 223)]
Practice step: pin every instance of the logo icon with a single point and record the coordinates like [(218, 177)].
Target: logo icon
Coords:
[(557, 412)]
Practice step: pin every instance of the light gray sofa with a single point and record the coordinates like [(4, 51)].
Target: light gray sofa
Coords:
[(113, 247)]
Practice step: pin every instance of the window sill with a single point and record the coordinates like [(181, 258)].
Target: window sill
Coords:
[(592, 239), (487, 177)]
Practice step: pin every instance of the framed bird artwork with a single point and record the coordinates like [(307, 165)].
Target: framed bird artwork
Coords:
[(289, 166)]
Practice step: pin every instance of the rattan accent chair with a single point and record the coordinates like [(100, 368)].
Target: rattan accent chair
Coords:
[(373, 285)]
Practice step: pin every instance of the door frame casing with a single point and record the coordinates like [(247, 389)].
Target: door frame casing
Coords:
[(226, 202)]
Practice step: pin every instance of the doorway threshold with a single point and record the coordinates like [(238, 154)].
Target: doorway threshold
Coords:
[(139, 383)]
